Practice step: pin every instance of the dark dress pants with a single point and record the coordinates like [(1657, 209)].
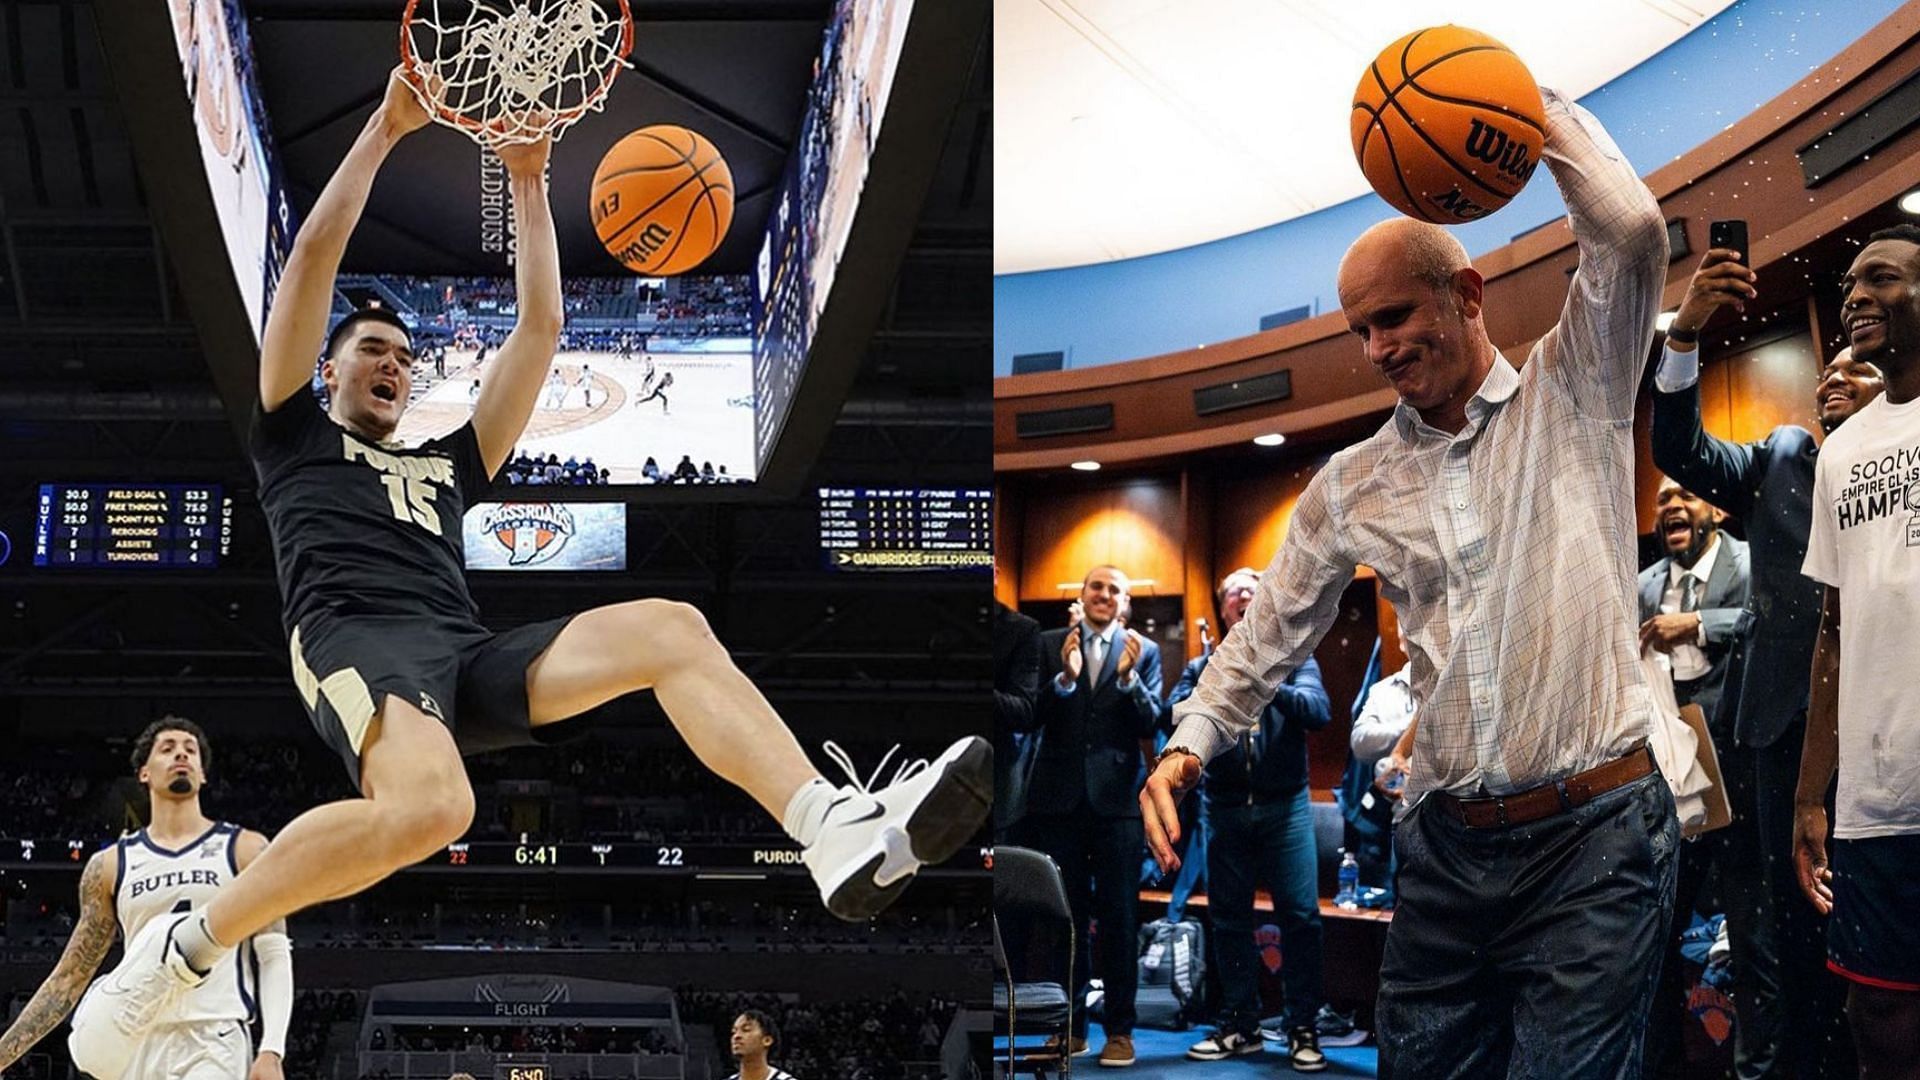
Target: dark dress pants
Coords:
[(1099, 858), (1530, 950)]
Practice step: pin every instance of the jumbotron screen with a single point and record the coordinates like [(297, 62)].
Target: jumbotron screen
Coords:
[(135, 524), (652, 383), (243, 176), (807, 231), (907, 528)]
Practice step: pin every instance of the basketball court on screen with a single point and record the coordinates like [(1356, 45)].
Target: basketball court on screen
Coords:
[(708, 414)]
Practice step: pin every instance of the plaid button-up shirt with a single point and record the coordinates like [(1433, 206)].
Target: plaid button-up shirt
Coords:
[(1508, 549)]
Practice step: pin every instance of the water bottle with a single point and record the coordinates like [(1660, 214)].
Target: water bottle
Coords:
[(1348, 896)]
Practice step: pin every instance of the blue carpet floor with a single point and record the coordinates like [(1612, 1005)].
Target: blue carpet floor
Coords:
[(1164, 1053)]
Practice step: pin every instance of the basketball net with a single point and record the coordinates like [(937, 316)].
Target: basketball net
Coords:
[(514, 71)]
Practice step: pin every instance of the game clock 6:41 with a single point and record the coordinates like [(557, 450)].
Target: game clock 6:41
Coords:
[(519, 1072)]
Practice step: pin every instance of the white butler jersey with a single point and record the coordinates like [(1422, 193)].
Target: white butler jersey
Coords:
[(154, 882)]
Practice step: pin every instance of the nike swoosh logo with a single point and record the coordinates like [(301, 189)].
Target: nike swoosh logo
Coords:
[(223, 1034), (877, 811)]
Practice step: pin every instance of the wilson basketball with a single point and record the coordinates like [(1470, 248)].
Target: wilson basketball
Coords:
[(1447, 124), (662, 200)]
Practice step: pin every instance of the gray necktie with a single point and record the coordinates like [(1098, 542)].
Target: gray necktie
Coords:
[(1689, 592), (1096, 655)]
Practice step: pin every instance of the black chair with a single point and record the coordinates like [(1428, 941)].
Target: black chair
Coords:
[(1027, 887)]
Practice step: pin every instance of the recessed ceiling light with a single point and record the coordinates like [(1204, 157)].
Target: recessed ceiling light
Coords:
[(1910, 202), (1269, 440), (1087, 466), (1664, 320)]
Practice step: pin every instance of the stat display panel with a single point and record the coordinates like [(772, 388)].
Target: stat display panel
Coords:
[(132, 525), (883, 529)]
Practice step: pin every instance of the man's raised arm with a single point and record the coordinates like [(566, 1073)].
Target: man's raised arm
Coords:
[(297, 323), (1599, 347)]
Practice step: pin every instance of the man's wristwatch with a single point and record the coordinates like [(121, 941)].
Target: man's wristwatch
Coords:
[(1175, 750)]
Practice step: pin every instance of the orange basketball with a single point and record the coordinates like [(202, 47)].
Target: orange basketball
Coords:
[(662, 200), (1448, 124)]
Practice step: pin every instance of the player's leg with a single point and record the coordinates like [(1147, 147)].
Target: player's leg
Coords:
[(417, 801), (861, 856), (1886, 1028), (667, 646)]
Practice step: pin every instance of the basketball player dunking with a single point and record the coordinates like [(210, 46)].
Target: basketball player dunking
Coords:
[(177, 863), (389, 655)]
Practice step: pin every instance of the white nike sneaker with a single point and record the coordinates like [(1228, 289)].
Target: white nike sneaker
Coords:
[(873, 841), (122, 1005)]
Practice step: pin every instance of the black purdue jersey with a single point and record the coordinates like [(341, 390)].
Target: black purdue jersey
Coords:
[(359, 529)]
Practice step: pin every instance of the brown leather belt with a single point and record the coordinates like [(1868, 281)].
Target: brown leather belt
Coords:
[(1547, 800)]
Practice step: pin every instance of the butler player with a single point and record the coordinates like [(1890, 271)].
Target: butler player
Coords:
[(177, 863), (387, 649)]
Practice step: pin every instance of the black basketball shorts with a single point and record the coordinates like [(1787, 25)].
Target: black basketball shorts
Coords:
[(469, 678)]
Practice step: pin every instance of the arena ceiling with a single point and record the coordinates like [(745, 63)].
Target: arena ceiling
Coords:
[(1131, 127)]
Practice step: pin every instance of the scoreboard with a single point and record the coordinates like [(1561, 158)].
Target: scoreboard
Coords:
[(672, 857), (906, 528), (177, 525)]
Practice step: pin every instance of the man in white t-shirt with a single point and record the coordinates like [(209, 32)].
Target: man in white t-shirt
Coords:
[(1864, 715)]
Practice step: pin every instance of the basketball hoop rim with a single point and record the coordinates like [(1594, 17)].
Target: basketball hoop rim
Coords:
[(411, 70)]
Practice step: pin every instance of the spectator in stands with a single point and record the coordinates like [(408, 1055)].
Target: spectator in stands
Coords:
[(1260, 814), (754, 1037), (685, 472), (706, 472), (651, 471)]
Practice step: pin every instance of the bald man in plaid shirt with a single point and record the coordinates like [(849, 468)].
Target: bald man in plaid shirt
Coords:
[(1496, 507)]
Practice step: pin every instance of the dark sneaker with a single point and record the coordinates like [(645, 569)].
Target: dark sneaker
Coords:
[(1221, 1045), (1336, 1028), (1303, 1050)]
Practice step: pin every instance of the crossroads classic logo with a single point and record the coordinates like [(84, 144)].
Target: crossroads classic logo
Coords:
[(531, 533)]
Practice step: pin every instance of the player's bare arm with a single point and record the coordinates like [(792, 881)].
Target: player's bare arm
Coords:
[(92, 936), (297, 323), (512, 382), (1819, 757)]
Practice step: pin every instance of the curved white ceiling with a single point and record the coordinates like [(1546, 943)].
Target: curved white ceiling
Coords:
[(1129, 127)]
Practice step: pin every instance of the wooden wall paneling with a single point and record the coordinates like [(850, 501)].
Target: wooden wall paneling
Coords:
[(1646, 475), (1007, 520), (1387, 620), (1343, 656), (1772, 384), (1251, 512), (1196, 501), (1134, 525)]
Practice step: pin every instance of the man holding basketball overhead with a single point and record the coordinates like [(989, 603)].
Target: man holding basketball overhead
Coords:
[(387, 650), (1496, 507)]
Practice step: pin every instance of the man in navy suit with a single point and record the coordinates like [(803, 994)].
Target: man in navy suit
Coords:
[(1099, 696), (1690, 604), (1779, 953)]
